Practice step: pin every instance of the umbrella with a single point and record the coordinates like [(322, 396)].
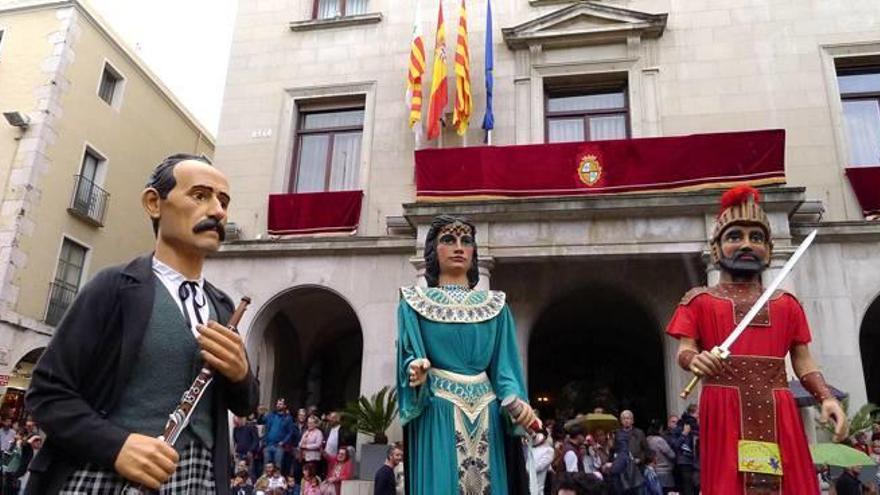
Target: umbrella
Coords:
[(804, 399), (837, 454), (594, 421)]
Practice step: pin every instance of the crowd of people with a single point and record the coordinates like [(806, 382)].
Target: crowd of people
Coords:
[(623, 461), (281, 452), (18, 444)]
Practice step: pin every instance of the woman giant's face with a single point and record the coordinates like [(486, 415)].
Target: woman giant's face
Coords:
[(455, 249)]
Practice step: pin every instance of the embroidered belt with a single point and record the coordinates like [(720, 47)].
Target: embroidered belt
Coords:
[(471, 396), (755, 378), (470, 393)]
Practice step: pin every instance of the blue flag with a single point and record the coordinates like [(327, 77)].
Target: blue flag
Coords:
[(489, 117)]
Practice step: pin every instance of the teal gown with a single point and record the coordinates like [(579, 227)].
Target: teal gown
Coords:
[(456, 425)]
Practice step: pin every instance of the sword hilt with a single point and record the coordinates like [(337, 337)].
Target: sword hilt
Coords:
[(717, 351)]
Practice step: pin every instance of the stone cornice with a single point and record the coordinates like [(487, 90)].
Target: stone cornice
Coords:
[(317, 246), (616, 24), (336, 22), (848, 231), (776, 199)]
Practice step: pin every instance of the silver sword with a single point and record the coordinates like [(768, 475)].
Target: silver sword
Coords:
[(723, 350)]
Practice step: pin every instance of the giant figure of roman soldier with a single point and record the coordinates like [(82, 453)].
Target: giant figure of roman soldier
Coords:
[(745, 402)]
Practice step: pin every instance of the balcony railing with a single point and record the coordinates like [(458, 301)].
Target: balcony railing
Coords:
[(89, 202), (60, 297)]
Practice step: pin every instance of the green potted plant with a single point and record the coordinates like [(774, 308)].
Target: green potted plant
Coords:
[(372, 416)]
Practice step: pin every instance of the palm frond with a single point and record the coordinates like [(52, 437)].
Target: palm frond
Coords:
[(372, 415)]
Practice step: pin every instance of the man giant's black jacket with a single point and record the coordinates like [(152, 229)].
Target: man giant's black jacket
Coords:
[(80, 377)]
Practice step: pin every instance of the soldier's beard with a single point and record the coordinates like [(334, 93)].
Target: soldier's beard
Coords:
[(737, 266)]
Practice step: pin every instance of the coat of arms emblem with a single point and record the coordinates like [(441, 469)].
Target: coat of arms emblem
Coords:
[(589, 170)]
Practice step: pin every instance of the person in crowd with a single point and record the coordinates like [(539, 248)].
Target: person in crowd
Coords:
[(578, 484), (383, 481), (638, 443), (118, 362), (542, 453), (311, 482), (574, 450), (271, 479), (600, 452), (246, 440), (7, 434), (848, 483), (685, 446), (339, 469), (664, 458), (652, 481), (241, 484), (312, 441), (279, 429)]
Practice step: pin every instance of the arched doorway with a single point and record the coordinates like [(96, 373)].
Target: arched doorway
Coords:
[(315, 348), (17, 383), (597, 347), (869, 344)]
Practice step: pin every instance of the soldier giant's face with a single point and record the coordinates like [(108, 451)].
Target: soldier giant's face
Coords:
[(745, 249), (455, 249)]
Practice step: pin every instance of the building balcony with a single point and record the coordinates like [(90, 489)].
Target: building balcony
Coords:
[(679, 163), (88, 201), (60, 298), (315, 213)]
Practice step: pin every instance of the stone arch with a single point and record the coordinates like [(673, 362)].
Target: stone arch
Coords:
[(598, 345), (869, 346), (306, 344)]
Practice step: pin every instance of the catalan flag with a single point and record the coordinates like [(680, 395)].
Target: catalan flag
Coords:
[(463, 101), (439, 91), (416, 71)]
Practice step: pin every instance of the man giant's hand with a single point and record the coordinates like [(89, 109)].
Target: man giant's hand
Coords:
[(146, 460), (223, 350), (706, 364), (831, 408)]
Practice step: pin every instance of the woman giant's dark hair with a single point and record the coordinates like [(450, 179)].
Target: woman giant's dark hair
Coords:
[(432, 265)]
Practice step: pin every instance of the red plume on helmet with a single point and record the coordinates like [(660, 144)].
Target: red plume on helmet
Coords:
[(738, 195)]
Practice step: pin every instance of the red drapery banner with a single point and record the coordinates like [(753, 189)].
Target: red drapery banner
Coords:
[(698, 161), (312, 213), (865, 182)]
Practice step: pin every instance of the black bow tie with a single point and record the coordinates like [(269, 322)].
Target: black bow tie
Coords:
[(187, 289)]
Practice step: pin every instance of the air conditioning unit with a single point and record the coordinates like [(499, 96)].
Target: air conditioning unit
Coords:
[(233, 232)]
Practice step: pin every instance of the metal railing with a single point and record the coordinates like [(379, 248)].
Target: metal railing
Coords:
[(88, 201), (60, 297)]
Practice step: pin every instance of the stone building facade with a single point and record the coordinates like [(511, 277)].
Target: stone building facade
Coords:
[(85, 124), (591, 280)]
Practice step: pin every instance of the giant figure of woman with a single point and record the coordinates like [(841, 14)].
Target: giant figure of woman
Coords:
[(457, 363)]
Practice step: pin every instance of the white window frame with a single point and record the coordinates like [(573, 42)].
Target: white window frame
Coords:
[(119, 88)]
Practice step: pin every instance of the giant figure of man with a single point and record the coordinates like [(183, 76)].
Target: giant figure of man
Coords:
[(746, 398), (129, 346)]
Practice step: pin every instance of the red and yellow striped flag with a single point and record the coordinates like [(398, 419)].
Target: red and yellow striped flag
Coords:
[(463, 101), (439, 91), (416, 70)]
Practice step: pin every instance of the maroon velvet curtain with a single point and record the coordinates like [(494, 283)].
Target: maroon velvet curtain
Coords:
[(865, 182), (311, 213), (584, 168)]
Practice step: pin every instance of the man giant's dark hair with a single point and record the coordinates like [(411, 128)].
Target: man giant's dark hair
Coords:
[(162, 179), (432, 264)]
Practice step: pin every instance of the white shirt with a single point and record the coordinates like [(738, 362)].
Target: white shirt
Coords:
[(172, 280), (571, 462), (332, 446)]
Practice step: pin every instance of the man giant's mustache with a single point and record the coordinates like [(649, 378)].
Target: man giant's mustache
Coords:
[(211, 224)]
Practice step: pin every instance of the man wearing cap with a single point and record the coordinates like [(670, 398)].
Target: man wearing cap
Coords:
[(745, 402)]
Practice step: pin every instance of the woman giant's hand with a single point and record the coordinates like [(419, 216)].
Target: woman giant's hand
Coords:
[(418, 371)]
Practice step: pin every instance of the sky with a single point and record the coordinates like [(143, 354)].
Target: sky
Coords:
[(184, 42)]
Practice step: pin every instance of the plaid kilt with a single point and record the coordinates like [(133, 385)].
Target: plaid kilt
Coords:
[(194, 476)]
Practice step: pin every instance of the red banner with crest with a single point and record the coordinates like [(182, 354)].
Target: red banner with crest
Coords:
[(698, 161)]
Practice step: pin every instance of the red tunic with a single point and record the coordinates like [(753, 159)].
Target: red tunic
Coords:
[(708, 316)]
